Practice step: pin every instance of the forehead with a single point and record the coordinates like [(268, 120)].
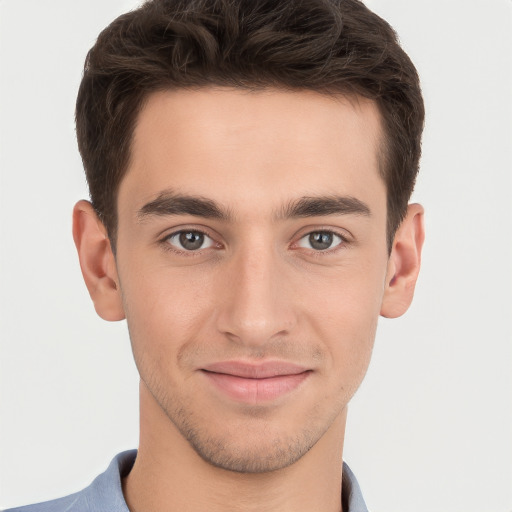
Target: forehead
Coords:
[(251, 148)]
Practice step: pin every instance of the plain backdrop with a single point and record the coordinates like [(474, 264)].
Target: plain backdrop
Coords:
[(431, 427)]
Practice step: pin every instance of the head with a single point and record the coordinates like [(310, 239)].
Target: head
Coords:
[(250, 165), (329, 46)]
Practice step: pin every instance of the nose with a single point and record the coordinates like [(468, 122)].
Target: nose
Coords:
[(256, 303)]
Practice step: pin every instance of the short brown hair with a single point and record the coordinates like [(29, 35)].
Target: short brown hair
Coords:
[(329, 46)]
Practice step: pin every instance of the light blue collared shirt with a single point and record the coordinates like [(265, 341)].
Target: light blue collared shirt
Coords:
[(105, 494)]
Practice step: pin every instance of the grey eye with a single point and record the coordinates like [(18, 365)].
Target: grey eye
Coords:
[(190, 240), (320, 240)]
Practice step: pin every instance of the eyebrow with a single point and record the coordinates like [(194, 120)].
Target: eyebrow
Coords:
[(318, 206), (170, 203)]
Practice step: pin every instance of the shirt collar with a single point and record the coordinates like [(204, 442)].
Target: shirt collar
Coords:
[(351, 492)]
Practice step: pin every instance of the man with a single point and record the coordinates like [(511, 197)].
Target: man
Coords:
[(249, 165)]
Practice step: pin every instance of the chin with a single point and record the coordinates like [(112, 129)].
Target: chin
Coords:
[(252, 445), (252, 455)]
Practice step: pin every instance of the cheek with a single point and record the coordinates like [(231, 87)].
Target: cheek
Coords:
[(164, 309), (345, 317)]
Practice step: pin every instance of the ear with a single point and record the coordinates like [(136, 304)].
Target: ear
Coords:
[(97, 262), (404, 264)]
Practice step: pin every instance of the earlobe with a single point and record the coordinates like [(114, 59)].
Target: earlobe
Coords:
[(404, 264), (97, 262)]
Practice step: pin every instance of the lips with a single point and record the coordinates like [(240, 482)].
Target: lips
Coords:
[(253, 383)]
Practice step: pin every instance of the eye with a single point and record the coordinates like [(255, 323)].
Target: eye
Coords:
[(190, 240), (320, 240)]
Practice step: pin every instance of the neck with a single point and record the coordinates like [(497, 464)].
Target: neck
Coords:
[(169, 475)]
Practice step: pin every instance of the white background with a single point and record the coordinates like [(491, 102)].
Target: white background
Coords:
[(430, 429)]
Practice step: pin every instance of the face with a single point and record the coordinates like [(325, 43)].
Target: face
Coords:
[(252, 262)]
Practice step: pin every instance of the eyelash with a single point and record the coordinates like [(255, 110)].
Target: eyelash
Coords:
[(316, 253), (168, 247), (331, 250)]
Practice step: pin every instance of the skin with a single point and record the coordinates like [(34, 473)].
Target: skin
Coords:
[(257, 290)]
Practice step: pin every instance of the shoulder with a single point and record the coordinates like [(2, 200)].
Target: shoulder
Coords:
[(105, 492), (68, 503)]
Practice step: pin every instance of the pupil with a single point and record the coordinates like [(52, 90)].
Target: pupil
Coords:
[(320, 241), (191, 240)]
